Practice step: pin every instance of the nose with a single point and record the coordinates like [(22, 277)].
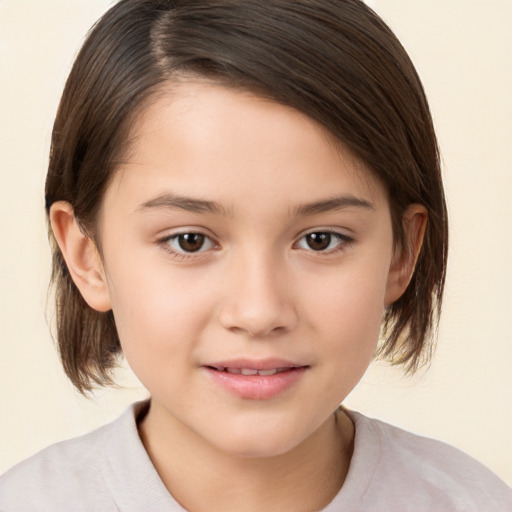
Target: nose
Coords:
[(258, 301)]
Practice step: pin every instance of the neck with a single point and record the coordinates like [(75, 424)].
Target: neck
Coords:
[(201, 477)]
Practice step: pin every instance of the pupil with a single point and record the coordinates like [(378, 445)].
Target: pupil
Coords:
[(318, 241), (191, 242)]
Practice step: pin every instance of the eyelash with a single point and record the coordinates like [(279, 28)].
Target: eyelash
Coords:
[(165, 242), (342, 239)]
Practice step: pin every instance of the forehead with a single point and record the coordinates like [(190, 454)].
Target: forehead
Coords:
[(204, 138)]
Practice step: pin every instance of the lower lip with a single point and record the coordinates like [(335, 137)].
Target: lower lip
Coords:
[(257, 387)]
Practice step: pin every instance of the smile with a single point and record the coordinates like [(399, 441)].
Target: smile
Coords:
[(255, 380), (252, 371)]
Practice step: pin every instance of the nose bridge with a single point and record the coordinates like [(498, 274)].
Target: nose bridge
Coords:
[(258, 302)]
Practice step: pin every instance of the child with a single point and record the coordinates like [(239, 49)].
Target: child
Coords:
[(243, 197)]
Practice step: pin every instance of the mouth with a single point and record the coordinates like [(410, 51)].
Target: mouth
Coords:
[(252, 371), (256, 380)]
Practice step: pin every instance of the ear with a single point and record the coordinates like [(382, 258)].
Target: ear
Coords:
[(402, 267), (81, 255)]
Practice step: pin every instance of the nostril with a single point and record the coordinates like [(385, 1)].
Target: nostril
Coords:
[(257, 314)]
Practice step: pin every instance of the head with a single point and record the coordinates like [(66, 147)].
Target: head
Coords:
[(334, 62)]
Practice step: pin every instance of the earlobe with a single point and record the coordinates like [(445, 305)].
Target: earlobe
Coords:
[(81, 256), (404, 261)]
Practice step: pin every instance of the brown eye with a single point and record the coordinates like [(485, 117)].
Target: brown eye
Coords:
[(318, 241), (187, 243), (191, 242), (323, 241)]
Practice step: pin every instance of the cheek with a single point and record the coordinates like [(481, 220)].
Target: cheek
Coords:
[(350, 311), (158, 314)]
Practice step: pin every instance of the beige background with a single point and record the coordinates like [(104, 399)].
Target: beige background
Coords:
[(463, 51)]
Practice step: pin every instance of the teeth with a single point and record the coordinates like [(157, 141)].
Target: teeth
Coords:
[(251, 371), (267, 372), (247, 371)]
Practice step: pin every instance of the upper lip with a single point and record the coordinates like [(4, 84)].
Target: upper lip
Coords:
[(254, 364)]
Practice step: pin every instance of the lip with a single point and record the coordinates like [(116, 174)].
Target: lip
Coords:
[(255, 387)]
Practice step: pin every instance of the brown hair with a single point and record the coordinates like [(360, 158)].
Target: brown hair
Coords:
[(334, 60)]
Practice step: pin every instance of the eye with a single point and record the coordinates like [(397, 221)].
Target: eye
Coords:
[(188, 243), (322, 241)]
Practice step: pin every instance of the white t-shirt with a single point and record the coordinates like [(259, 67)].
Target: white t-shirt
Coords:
[(391, 471)]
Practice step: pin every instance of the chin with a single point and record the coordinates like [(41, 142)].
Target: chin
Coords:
[(259, 443)]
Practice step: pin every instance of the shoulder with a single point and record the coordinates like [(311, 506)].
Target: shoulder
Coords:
[(70, 475), (425, 474)]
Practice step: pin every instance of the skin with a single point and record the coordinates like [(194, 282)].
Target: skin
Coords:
[(255, 289)]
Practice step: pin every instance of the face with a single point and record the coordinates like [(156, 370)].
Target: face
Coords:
[(247, 261)]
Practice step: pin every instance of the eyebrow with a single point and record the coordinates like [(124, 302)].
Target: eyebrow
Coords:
[(333, 204), (173, 202)]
